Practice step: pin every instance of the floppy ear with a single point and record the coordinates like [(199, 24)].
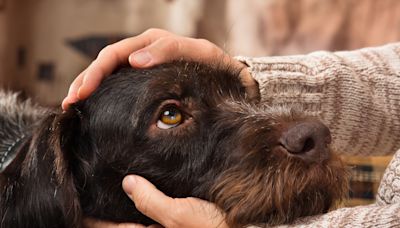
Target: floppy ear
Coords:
[(38, 187)]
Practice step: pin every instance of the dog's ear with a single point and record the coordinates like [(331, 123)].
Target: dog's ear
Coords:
[(39, 186)]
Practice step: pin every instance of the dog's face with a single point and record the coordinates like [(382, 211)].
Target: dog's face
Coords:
[(189, 130), (163, 124)]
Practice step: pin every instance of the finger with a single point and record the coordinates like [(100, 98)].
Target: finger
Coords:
[(114, 55), (94, 223), (147, 198), (72, 96), (170, 48)]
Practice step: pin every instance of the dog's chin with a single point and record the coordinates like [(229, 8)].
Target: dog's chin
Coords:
[(281, 192)]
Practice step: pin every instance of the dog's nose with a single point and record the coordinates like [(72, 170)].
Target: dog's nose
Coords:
[(308, 140)]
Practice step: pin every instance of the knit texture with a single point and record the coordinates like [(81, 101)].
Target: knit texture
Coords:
[(389, 189), (356, 94)]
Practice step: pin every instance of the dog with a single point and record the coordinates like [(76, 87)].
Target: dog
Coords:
[(187, 127)]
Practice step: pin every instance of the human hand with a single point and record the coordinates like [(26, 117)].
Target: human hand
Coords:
[(155, 46), (93, 223), (169, 212)]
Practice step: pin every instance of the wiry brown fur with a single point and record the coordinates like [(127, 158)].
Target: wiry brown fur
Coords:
[(248, 195)]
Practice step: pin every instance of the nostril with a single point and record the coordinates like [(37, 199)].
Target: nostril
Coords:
[(295, 145), (308, 145), (308, 139)]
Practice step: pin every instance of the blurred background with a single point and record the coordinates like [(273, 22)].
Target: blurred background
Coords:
[(44, 44)]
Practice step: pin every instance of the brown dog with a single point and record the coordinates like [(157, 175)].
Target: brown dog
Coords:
[(185, 127)]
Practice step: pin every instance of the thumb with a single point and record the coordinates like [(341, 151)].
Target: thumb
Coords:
[(147, 198)]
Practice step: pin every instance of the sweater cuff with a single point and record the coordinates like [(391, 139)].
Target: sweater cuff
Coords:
[(287, 80)]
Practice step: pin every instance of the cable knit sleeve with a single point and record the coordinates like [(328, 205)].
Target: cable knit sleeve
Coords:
[(356, 93), (355, 217)]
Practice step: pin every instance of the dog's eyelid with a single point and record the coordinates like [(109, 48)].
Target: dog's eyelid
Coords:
[(169, 102)]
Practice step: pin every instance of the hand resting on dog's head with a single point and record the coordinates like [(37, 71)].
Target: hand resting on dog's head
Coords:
[(187, 127), (153, 47)]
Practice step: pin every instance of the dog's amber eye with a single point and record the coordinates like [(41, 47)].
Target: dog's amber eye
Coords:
[(170, 117)]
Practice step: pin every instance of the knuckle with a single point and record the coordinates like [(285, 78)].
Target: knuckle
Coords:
[(141, 203), (179, 212), (151, 31), (171, 44), (171, 223), (204, 42), (175, 218), (208, 46), (106, 51), (155, 31)]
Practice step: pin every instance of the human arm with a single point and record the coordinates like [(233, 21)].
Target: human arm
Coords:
[(353, 217), (355, 93)]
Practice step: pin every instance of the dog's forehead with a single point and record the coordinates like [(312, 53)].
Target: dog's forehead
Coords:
[(129, 92), (194, 79)]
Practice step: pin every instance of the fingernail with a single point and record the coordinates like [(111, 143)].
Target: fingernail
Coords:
[(64, 105), (67, 102), (128, 184), (140, 58)]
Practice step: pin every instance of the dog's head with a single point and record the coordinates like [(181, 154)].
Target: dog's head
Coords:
[(189, 129)]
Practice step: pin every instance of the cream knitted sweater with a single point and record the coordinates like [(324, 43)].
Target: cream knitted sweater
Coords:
[(357, 94)]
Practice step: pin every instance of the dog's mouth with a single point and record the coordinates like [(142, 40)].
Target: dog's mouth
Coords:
[(280, 193)]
